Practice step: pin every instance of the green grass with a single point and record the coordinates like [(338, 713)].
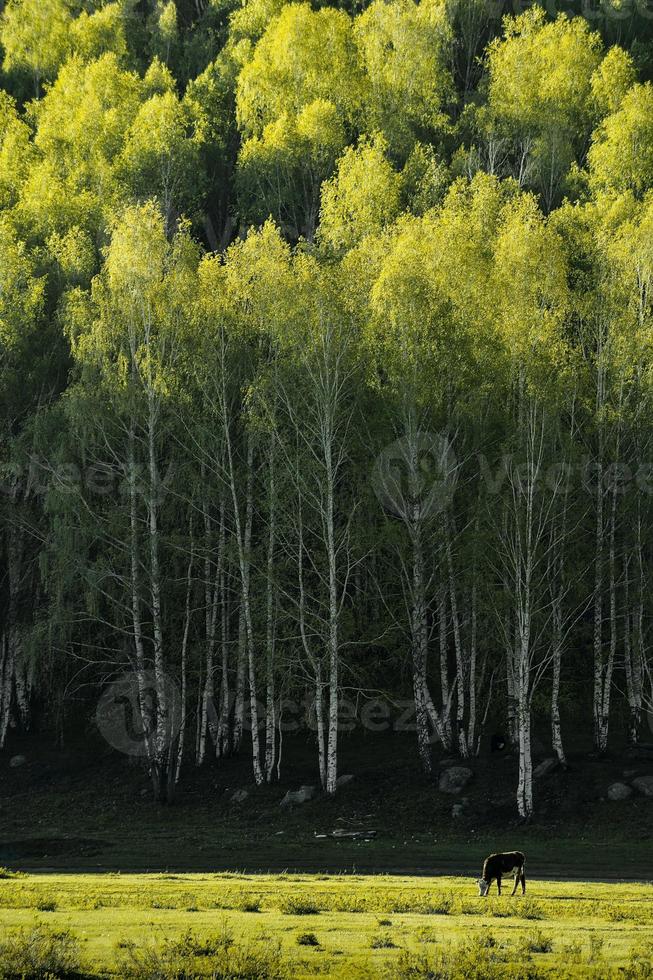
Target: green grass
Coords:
[(359, 926)]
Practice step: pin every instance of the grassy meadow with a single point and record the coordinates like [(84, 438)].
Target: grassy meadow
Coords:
[(253, 927)]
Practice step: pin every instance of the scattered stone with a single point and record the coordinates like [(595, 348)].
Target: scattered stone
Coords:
[(454, 779), (339, 833), (302, 795), (16, 761), (239, 796), (343, 780), (644, 784), (619, 791), (545, 767)]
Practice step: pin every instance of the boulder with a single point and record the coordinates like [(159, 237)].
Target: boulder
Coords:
[(644, 785), (302, 795), (458, 809), (239, 796), (619, 791), (545, 767), (17, 760), (343, 780), (454, 779)]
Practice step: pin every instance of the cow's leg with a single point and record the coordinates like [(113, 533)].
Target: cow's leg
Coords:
[(523, 883), (515, 883), (499, 884)]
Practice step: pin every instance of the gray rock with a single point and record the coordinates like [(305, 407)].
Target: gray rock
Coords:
[(343, 780), (302, 795), (17, 760), (454, 779), (239, 796), (545, 767), (644, 784), (619, 791), (457, 810)]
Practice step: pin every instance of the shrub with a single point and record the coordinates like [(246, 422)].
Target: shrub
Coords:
[(8, 873), (528, 908), (535, 942), (596, 948), (247, 903), (177, 960), (383, 941), (307, 939), (441, 906), (39, 953), (479, 959), (350, 903), (421, 904), (298, 905), (46, 905), (640, 965), (615, 913)]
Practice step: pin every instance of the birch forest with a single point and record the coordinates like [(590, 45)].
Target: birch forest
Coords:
[(326, 374)]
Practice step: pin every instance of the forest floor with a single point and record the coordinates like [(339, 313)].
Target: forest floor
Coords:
[(279, 927), (85, 807)]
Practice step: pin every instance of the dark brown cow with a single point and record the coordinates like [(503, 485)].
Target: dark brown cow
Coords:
[(497, 866)]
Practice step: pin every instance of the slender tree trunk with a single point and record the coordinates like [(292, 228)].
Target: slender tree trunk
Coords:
[(445, 698), (223, 744), (332, 742), (556, 733), (241, 671), (461, 735), (162, 781), (209, 720), (420, 653), (270, 718), (473, 680), (137, 626), (184, 657)]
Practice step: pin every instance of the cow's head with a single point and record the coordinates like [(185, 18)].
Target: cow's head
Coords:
[(483, 887)]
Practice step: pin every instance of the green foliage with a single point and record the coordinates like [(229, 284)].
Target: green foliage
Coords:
[(362, 198), (299, 905), (188, 957), (38, 954), (405, 49), (620, 158), (303, 56), (36, 38)]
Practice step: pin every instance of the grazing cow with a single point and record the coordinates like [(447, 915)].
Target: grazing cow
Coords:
[(497, 866)]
